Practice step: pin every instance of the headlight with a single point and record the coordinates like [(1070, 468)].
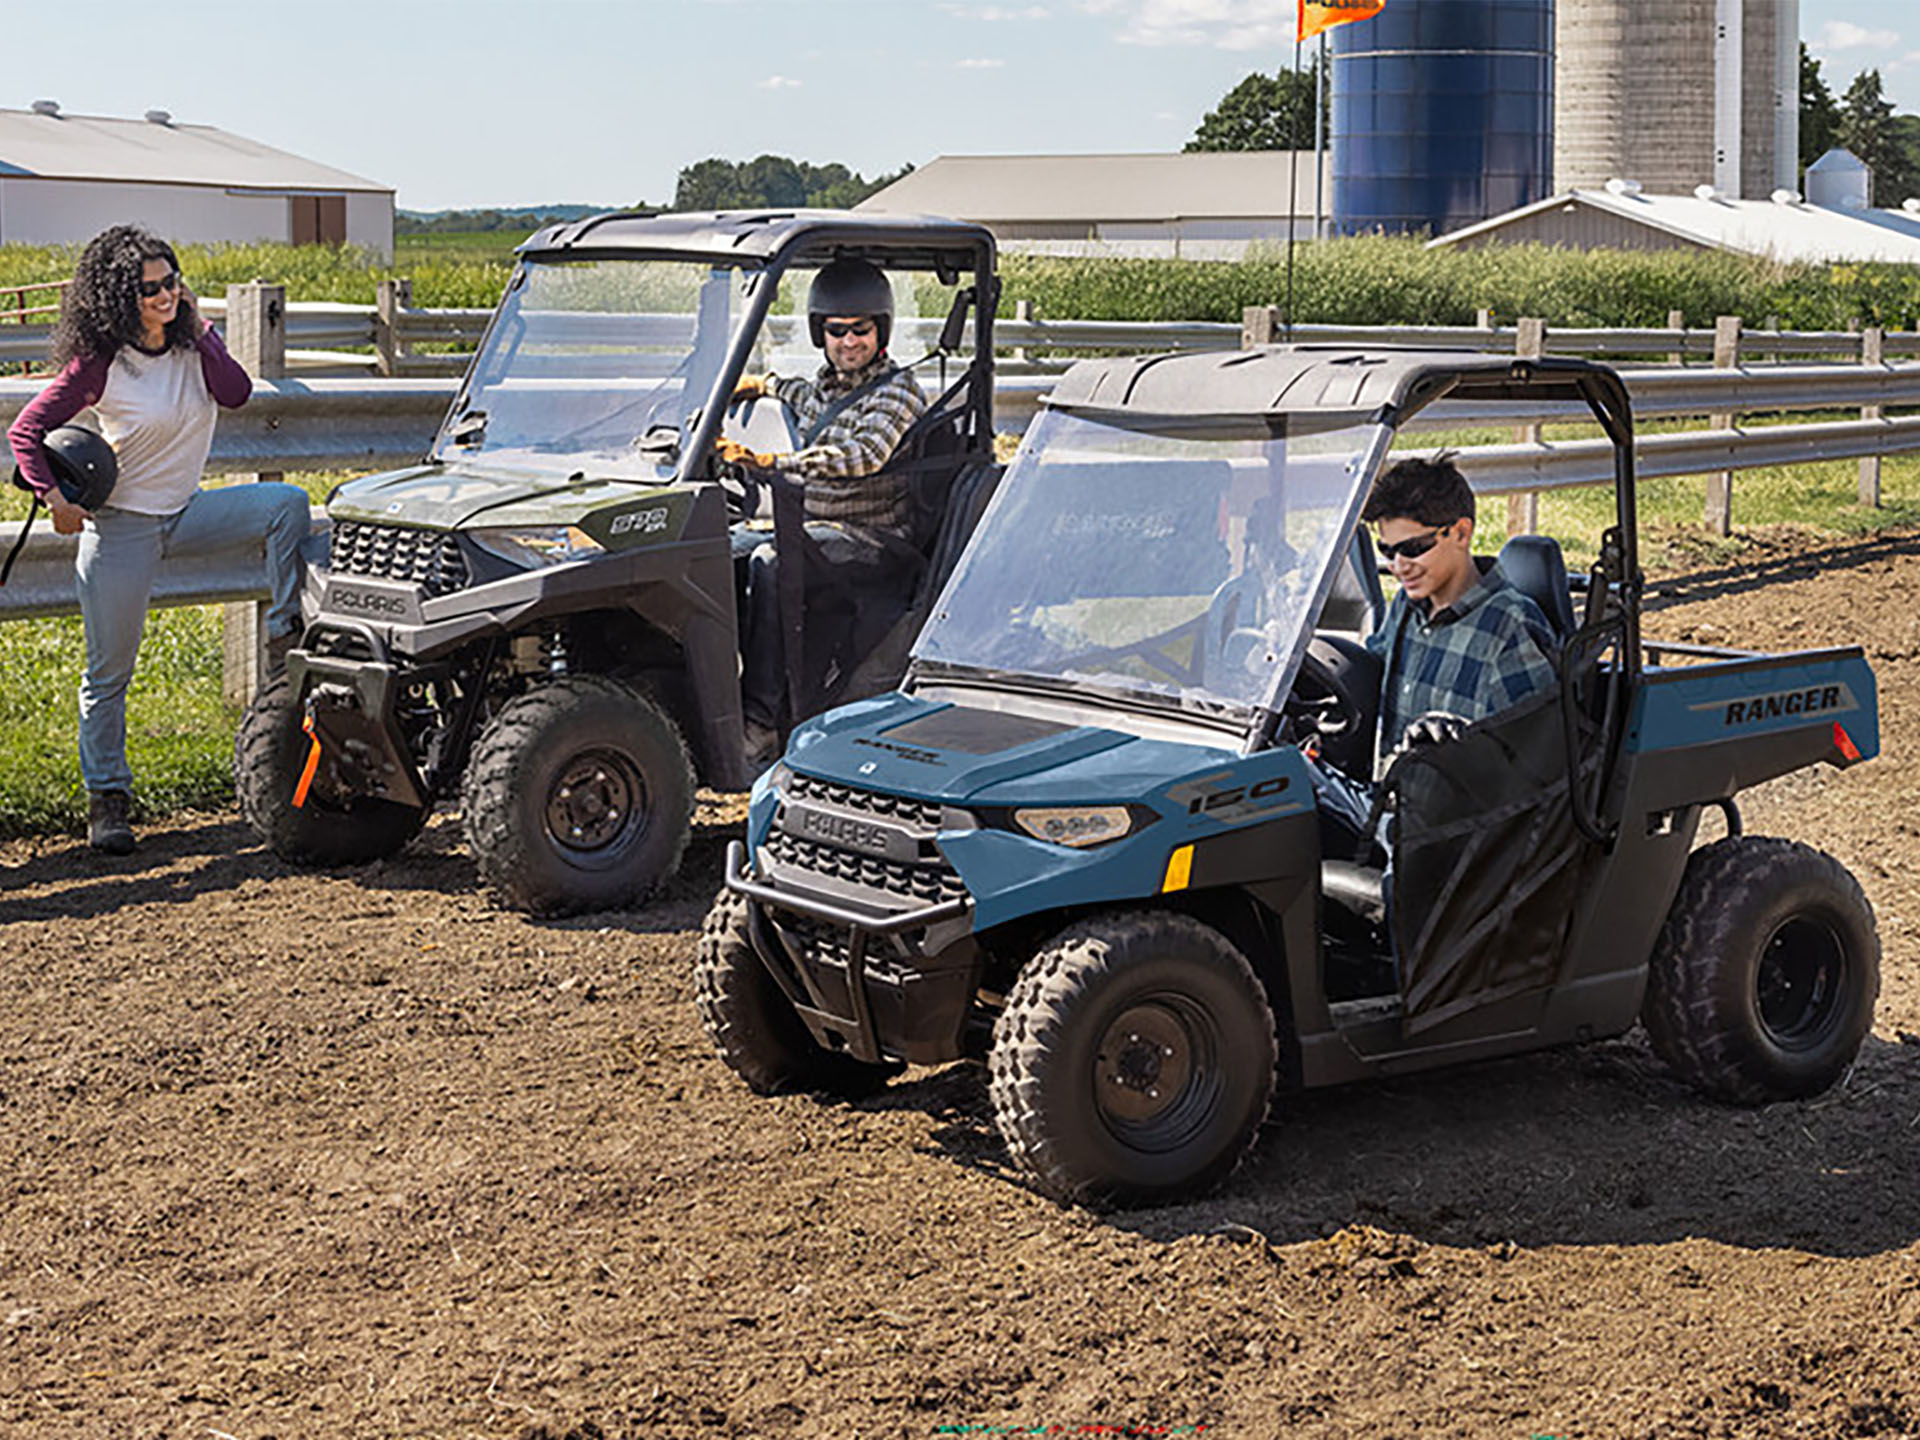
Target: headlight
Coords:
[(1077, 826), (533, 546)]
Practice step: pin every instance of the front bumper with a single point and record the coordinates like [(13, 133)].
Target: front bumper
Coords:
[(349, 682), (874, 983)]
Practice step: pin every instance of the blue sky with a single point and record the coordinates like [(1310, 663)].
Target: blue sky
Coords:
[(482, 102)]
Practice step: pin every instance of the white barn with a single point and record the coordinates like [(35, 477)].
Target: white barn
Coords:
[(1208, 205), (64, 178)]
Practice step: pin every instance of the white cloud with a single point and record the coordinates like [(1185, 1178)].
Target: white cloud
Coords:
[(1221, 24), (1845, 35), (779, 82), (979, 64), (994, 13)]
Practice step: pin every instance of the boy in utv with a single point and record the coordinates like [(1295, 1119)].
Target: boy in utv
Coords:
[(1458, 644)]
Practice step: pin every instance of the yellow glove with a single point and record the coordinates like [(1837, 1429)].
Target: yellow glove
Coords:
[(734, 453), (752, 387)]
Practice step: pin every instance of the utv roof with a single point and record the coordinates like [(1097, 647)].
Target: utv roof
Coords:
[(1323, 384), (917, 242)]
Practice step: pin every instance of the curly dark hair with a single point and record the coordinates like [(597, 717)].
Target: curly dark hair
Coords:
[(1431, 491), (101, 310)]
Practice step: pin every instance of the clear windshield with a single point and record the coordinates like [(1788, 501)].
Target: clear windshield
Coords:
[(607, 363), (1179, 566), (594, 359)]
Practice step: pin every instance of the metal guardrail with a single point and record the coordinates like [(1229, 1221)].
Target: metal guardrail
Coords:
[(371, 424)]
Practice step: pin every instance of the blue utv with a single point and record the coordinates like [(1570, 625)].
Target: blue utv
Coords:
[(1080, 841)]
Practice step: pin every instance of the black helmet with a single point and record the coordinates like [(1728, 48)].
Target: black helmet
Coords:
[(849, 287), (83, 465)]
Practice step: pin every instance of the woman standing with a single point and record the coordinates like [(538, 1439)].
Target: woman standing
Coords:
[(131, 345)]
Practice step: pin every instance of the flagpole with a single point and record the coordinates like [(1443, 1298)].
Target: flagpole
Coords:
[(1293, 187), (1319, 137)]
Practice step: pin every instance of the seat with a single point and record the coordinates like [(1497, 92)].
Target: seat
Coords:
[(1532, 565)]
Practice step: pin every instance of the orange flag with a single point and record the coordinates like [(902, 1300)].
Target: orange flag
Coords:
[(1318, 15)]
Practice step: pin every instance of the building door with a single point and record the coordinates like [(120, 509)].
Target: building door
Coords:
[(317, 219)]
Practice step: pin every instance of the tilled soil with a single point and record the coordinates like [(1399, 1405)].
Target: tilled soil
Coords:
[(358, 1154)]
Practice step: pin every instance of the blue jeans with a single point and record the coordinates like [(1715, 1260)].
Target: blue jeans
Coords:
[(119, 559)]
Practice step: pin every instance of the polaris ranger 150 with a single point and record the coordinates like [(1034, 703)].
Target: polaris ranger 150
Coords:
[(542, 616), (1081, 841)]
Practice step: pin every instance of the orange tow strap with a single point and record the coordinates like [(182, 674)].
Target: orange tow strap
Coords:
[(313, 764)]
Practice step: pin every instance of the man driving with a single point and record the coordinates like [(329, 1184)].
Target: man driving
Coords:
[(851, 415), (1458, 645)]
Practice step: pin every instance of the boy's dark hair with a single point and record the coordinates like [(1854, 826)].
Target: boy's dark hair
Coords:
[(1433, 492)]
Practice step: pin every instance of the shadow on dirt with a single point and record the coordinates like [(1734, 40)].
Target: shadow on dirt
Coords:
[(1756, 573), (1594, 1146), (187, 858)]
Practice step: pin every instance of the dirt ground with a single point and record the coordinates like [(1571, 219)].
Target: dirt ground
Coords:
[(289, 1154)]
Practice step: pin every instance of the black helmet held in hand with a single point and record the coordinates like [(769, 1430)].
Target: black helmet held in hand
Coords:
[(849, 287), (83, 465)]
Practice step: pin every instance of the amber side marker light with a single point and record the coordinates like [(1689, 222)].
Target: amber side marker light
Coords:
[(1843, 742)]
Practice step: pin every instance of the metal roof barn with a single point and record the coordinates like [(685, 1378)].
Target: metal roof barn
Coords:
[(64, 178)]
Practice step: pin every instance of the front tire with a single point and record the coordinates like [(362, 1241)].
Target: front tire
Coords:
[(752, 1025), (1134, 1061), (579, 796), (1763, 981), (269, 752)]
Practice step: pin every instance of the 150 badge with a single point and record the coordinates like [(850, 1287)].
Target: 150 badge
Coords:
[(1219, 796)]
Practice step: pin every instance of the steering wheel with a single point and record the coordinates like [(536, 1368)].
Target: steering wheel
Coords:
[(1336, 698)]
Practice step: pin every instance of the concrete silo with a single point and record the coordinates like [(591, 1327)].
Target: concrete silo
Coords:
[(1442, 113), (1677, 94)]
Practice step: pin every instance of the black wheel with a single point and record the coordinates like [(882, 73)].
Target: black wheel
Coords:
[(270, 751), (579, 796), (752, 1025), (1763, 981), (1134, 1061)]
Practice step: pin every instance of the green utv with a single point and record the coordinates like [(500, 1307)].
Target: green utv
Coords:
[(541, 619)]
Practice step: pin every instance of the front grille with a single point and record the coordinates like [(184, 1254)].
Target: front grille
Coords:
[(430, 559), (922, 813), (928, 882)]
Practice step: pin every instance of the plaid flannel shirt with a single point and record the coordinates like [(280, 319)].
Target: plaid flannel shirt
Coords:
[(1485, 653), (839, 466)]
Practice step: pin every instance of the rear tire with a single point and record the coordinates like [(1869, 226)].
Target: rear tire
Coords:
[(1763, 981), (1134, 1061), (269, 752), (752, 1025), (579, 796)]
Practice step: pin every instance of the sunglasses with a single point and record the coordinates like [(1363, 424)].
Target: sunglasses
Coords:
[(151, 288), (1411, 548), (840, 329)]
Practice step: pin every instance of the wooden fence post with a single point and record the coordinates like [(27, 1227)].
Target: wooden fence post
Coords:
[(257, 338), (1258, 325), (1523, 511), (1677, 322), (1872, 350), (1726, 356), (390, 298)]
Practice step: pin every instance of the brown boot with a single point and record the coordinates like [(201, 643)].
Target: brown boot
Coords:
[(107, 825), (277, 648)]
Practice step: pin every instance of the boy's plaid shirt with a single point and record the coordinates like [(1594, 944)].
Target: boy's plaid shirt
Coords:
[(837, 468), (1485, 653)]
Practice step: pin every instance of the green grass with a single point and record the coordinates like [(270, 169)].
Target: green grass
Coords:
[(179, 732)]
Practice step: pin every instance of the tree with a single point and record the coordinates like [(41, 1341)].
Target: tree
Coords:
[(1819, 115), (773, 182), (1869, 128), (1262, 112), (708, 185)]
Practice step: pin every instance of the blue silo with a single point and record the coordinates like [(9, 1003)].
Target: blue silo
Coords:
[(1442, 113)]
